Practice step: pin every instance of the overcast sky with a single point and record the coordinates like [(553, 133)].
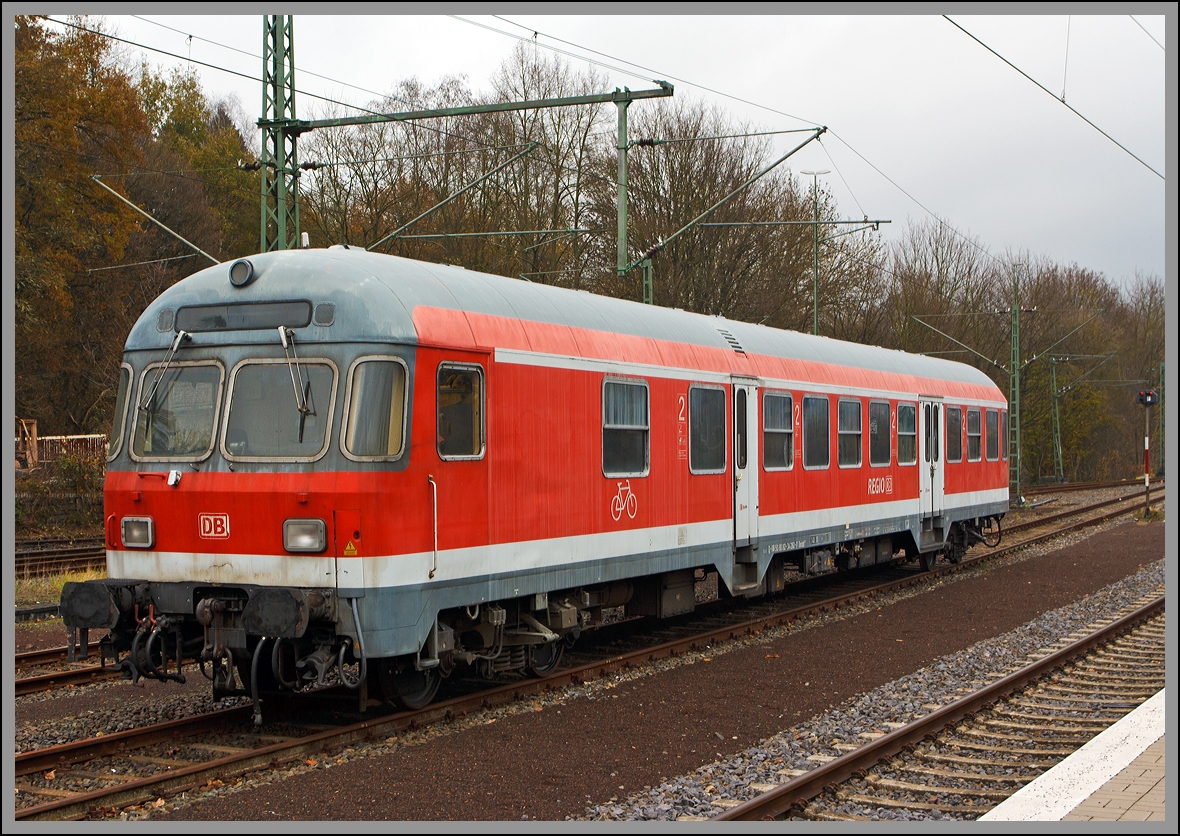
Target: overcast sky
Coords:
[(947, 121)]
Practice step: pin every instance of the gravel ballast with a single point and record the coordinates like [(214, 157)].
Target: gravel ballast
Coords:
[(874, 713)]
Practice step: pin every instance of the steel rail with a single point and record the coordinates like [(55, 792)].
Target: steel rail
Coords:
[(26, 544), (1039, 521), (42, 562), (139, 791), (781, 799), (1066, 487), (67, 551), (32, 658), (116, 743), (61, 679)]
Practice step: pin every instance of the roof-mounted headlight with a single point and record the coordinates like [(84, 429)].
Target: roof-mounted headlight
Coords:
[(241, 273)]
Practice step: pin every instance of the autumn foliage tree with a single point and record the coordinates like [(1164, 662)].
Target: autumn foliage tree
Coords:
[(87, 265), (82, 110), (77, 112)]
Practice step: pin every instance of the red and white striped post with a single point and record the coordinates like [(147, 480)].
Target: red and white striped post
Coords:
[(1147, 397)]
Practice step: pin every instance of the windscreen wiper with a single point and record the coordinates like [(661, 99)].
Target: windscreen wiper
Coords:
[(302, 399), (181, 337)]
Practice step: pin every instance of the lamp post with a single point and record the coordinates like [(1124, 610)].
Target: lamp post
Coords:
[(815, 239)]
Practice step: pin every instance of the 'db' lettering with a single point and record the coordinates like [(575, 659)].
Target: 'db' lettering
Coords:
[(213, 526)]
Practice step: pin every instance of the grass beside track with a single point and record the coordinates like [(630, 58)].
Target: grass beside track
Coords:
[(32, 590)]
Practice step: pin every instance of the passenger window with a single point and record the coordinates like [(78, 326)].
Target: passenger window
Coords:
[(120, 421), (740, 422), (973, 436), (934, 427), (460, 412), (624, 428), (848, 443), (706, 430), (879, 452), (816, 433), (907, 433), (954, 434), (778, 437), (1004, 434), (376, 409), (993, 435)]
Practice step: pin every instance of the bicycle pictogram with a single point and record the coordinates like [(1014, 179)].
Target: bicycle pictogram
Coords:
[(624, 499)]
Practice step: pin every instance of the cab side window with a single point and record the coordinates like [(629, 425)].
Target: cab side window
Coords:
[(460, 412), (376, 409)]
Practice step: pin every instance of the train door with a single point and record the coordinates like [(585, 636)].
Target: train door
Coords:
[(931, 470), (458, 482), (745, 462)]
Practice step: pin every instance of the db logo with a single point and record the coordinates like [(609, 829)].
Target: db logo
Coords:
[(213, 526)]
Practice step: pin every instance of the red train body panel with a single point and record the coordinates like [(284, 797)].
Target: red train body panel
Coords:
[(561, 453)]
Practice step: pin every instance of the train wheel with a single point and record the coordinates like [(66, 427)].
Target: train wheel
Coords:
[(991, 532), (543, 658), (927, 560), (409, 688)]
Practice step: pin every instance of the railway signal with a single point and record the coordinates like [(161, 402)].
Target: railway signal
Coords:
[(1147, 397)]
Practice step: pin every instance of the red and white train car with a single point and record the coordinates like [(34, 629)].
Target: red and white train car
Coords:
[(333, 458)]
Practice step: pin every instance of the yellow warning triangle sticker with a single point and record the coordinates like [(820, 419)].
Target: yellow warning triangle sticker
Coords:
[(350, 549)]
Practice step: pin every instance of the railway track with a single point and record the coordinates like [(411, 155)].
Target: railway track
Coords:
[(964, 758), (39, 562), (72, 675), (41, 543), (37, 658), (1066, 487), (1134, 502), (74, 780)]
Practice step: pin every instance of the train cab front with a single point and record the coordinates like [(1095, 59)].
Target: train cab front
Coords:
[(249, 425)]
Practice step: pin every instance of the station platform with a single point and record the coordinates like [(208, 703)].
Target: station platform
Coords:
[(1117, 776)]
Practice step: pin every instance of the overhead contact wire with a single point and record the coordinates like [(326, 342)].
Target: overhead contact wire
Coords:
[(1141, 26), (415, 124), (640, 66), (1062, 100)]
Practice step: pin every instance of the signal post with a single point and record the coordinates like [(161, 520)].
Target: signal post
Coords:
[(1147, 397)]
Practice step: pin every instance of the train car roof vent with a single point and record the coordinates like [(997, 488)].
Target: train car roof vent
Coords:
[(731, 339)]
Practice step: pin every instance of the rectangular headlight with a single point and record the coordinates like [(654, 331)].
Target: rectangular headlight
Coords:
[(138, 532), (305, 535)]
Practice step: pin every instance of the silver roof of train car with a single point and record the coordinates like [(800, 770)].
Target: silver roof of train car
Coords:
[(375, 296)]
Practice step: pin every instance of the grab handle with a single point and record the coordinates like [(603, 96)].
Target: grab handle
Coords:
[(434, 490)]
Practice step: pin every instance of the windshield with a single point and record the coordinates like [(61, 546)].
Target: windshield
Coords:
[(265, 420), (177, 421)]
